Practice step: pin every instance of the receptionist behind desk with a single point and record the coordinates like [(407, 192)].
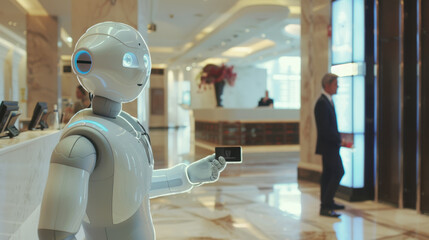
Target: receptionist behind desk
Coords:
[(83, 102), (266, 101)]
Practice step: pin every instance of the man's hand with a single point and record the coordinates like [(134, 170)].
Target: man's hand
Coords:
[(206, 169)]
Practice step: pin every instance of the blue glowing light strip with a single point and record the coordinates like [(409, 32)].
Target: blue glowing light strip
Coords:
[(89, 121)]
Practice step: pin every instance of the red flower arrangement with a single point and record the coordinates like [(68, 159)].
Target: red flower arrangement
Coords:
[(212, 74)]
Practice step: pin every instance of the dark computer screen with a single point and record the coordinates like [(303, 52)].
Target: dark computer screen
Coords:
[(8, 111), (36, 122)]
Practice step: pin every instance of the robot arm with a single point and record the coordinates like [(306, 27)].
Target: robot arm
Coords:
[(170, 181), (181, 177), (66, 193)]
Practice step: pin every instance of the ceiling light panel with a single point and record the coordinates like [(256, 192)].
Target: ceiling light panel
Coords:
[(33, 7), (249, 47)]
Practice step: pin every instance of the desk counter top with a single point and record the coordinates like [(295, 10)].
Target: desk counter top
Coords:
[(24, 166), (251, 114), (8, 144)]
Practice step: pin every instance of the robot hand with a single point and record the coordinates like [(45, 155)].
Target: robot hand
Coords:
[(206, 169)]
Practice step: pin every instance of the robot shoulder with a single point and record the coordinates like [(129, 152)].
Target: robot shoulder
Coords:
[(104, 166), (75, 151)]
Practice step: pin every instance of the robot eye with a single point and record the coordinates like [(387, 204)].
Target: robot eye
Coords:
[(147, 63), (130, 60), (82, 62)]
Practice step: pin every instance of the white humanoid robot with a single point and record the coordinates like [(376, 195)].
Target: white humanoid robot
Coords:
[(101, 172)]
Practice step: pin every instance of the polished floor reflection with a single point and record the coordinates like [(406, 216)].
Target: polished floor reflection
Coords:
[(262, 199)]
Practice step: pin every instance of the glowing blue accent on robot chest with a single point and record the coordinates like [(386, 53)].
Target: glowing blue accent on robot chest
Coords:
[(99, 125)]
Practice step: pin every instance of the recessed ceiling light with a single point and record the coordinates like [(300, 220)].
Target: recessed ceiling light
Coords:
[(247, 30), (263, 35), (294, 9), (161, 49), (66, 37), (293, 29)]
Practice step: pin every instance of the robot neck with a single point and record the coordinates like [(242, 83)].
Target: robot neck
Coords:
[(106, 107)]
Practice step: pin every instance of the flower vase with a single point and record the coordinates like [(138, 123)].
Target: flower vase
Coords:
[(219, 91)]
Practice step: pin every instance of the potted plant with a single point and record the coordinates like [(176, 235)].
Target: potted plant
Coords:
[(218, 76)]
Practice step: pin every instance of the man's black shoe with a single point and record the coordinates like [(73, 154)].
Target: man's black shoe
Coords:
[(337, 206), (329, 213)]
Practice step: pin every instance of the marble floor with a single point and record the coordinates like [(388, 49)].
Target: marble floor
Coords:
[(262, 199)]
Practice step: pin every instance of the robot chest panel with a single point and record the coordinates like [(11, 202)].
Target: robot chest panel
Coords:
[(131, 164), (132, 168), (132, 176)]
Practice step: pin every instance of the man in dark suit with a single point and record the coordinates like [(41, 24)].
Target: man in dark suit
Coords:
[(328, 145)]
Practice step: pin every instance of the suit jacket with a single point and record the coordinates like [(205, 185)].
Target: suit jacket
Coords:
[(328, 137)]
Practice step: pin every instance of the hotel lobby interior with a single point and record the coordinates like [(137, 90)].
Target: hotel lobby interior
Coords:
[(378, 48)]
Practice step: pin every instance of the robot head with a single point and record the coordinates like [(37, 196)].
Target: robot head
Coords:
[(112, 60)]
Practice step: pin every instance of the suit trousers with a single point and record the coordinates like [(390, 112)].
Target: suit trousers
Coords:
[(332, 173)]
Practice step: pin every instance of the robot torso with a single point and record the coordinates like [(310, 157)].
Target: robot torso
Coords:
[(119, 186)]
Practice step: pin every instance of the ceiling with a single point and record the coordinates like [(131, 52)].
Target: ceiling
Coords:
[(188, 32)]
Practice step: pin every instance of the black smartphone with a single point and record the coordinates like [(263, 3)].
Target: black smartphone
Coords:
[(231, 154)]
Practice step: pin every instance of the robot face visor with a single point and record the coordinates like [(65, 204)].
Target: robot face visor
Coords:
[(83, 61)]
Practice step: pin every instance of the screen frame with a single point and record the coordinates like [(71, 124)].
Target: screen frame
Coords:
[(6, 110), (39, 111)]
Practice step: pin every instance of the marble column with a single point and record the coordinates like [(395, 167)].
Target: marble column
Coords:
[(15, 59), (3, 52), (315, 19), (42, 61), (7, 68), (87, 13), (22, 85)]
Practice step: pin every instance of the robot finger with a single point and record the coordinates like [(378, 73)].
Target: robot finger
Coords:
[(217, 164), (215, 173), (222, 161), (210, 158)]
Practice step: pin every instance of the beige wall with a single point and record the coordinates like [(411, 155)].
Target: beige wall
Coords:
[(42, 61), (159, 81), (315, 18), (13, 82)]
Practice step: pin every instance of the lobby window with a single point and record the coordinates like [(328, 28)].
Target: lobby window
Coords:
[(284, 81)]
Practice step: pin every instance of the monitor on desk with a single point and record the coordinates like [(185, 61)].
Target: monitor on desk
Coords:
[(8, 116), (37, 120)]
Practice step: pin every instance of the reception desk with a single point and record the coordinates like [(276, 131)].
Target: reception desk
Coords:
[(247, 127), (24, 165)]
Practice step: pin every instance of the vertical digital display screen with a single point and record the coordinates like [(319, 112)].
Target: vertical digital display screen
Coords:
[(348, 38), (358, 104), (343, 102), (358, 31), (342, 31)]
